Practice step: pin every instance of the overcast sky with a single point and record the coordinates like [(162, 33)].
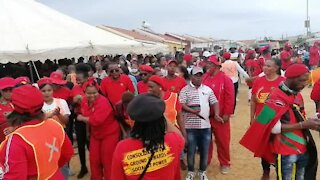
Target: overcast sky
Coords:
[(231, 19)]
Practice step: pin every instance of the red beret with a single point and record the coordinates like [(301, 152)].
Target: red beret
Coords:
[(146, 68), (263, 48), (173, 61), (44, 81), (250, 52), (90, 82), (214, 59), (57, 78), (227, 55), (187, 57), (158, 80), (27, 99), (22, 80), (296, 70), (7, 82)]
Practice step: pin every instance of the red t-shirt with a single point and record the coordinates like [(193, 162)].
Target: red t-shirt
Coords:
[(77, 91), (101, 117), (5, 108), (62, 93), (253, 67), (142, 87), (129, 160), (284, 55), (262, 88), (174, 85), (114, 89), (21, 161)]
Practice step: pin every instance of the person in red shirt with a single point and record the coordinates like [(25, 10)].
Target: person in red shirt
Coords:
[(172, 82), (6, 107), (286, 55), (38, 147), (122, 115), (264, 55), (115, 84), (314, 55), (104, 129), (154, 149), (261, 89), (223, 89), (315, 95), (78, 97), (59, 89), (145, 73)]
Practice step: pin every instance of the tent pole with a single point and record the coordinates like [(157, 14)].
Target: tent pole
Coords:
[(31, 73), (36, 70)]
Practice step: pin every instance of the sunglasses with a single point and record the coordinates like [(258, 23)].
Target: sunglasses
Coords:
[(114, 70), (143, 74)]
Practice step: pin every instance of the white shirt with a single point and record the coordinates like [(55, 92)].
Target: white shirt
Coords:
[(61, 103), (101, 75)]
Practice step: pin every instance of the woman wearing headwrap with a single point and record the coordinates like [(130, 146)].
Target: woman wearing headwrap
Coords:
[(155, 146), (38, 147), (104, 129)]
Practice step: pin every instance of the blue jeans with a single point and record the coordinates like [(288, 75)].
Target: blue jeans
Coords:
[(200, 138), (291, 166), (65, 171)]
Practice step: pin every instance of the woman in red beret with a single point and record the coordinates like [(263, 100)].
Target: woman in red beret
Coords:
[(104, 129), (6, 107), (38, 147)]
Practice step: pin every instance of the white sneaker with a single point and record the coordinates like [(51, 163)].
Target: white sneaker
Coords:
[(203, 175), (190, 175)]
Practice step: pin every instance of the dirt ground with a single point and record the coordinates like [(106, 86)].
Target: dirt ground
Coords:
[(244, 165)]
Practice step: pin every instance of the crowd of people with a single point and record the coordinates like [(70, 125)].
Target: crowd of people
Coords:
[(146, 117)]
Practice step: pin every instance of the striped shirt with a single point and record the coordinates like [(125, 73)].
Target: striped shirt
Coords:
[(200, 99)]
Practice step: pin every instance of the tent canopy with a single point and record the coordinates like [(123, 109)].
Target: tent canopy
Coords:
[(32, 31)]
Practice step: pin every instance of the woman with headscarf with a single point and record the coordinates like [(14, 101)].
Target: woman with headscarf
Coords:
[(154, 147), (104, 129), (38, 147)]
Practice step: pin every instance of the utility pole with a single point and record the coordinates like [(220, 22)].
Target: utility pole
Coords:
[(307, 22)]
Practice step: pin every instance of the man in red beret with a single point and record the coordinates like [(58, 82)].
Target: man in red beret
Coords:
[(145, 73), (223, 89), (281, 133), (172, 82), (286, 55), (38, 147), (314, 55)]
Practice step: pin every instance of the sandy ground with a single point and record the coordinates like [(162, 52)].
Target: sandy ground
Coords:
[(244, 165)]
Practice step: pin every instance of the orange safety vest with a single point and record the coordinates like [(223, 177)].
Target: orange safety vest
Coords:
[(230, 69), (46, 140), (170, 112), (315, 76)]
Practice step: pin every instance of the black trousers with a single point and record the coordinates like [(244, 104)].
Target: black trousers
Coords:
[(265, 165), (70, 126), (82, 140), (236, 87)]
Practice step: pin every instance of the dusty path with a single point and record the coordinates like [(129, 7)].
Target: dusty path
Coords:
[(244, 166)]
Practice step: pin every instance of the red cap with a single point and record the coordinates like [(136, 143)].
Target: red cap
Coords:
[(173, 61), (44, 81), (296, 70), (250, 52), (288, 45), (27, 99), (146, 68), (263, 48), (187, 57), (7, 82), (22, 80), (91, 82), (158, 80), (57, 78), (227, 55), (214, 59)]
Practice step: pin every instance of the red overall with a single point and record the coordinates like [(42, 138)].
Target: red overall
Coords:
[(104, 136), (5, 108), (142, 87), (223, 89)]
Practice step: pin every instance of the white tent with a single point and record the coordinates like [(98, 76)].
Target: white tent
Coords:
[(30, 30)]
